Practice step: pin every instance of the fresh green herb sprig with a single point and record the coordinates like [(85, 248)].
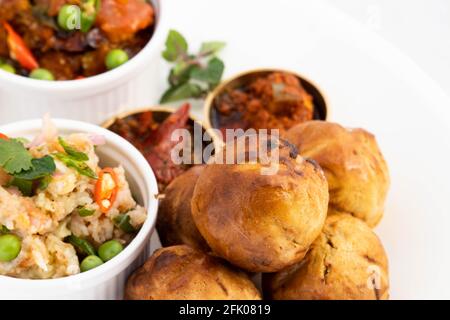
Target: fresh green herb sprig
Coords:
[(192, 76), (40, 168), (14, 157), (27, 172)]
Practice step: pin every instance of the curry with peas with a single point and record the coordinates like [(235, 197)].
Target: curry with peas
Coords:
[(71, 39)]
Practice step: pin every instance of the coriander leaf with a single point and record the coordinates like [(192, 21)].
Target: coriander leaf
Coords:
[(211, 74), (122, 221), (211, 48), (41, 168), (76, 155), (25, 186), (44, 182), (83, 246), (40, 172), (176, 46), (14, 157), (81, 167), (23, 141), (85, 212), (184, 91)]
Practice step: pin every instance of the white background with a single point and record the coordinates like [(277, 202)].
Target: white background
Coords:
[(419, 28)]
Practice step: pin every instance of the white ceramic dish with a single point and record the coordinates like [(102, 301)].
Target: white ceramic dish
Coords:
[(106, 281), (93, 99)]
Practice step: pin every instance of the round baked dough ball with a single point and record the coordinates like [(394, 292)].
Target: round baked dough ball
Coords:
[(175, 224), (184, 273), (356, 171), (261, 222), (347, 261)]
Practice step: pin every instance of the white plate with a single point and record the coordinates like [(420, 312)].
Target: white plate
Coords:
[(368, 84)]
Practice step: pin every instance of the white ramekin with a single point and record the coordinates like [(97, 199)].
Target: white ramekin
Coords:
[(93, 99), (108, 280)]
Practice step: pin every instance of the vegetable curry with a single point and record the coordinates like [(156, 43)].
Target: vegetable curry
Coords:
[(71, 39)]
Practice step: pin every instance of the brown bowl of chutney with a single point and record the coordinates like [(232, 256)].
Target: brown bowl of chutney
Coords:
[(263, 99)]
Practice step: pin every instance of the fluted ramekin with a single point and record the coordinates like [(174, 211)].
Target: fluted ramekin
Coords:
[(93, 99), (107, 281)]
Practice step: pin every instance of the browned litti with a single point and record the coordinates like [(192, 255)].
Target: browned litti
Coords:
[(261, 222), (175, 224), (347, 261), (356, 171), (184, 273)]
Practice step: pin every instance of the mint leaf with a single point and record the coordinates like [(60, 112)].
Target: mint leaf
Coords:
[(184, 91), (188, 78), (76, 155), (211, 74), (14, 157), (176, 46), (211, 48), (40, 168), (81, 167), (180, 74)]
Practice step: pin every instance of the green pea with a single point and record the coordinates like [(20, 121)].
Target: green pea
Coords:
[(8, 68), (10, 246), (109, 250), (69, 17), (90, 262), (42, 74), (115, 58)]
